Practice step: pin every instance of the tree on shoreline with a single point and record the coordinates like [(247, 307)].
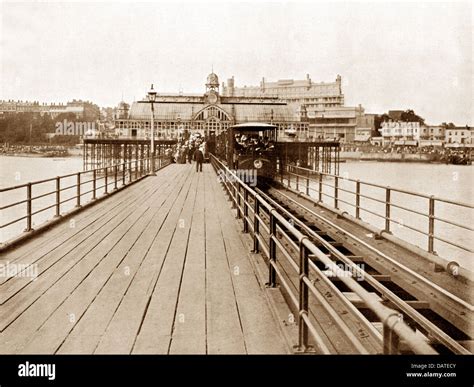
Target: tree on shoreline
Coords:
[(32, 129)]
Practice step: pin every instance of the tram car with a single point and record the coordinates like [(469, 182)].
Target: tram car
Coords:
[(250, 146)]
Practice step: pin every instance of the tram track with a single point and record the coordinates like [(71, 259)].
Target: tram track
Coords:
[(445, 324)]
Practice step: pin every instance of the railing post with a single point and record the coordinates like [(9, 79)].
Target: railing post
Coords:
[(232, 196), (336, 191), (94, 184), (136, 169), (123, 173), (297, 181), (239, 215), (357, 208), (387, 209), (115, 177), (28, 208), (391, 340), (129, 171), (303, 298), (272, 244), (58, 197), (320, 193), (431, 221), (246, 211), (78, 190), (256, 225), (106, 181), (307, 184)]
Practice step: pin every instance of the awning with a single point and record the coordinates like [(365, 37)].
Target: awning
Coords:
[(411, 142), (362, 137), (431, 143), (457, 145)]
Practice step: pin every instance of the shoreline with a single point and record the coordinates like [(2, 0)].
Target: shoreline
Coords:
[(425, 158), (40, 155)]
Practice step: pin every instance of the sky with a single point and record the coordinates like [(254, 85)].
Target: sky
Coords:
[(404, 55)]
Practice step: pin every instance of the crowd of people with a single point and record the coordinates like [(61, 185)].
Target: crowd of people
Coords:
[(193, 148), (33, 150), (449, 155), (252, 143)]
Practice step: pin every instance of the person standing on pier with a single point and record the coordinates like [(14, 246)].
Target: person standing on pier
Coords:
[(199, 157), (190, 153)]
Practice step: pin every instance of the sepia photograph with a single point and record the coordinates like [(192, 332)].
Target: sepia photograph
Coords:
[(274, 180)]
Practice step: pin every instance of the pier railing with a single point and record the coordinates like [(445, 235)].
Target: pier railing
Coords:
[(396, 211), (269, 230), (43, 200)]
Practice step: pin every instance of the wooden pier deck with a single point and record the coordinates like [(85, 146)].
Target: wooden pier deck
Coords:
[(159, 268)]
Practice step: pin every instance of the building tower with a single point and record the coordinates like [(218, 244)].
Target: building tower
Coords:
[(212, 88)]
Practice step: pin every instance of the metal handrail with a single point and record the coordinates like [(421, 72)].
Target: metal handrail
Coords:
[(434, 331), (401, 190), (109, 175), (394, 328), (304, 174)]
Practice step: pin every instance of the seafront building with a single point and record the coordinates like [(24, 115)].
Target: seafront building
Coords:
[(83, 110), (322, 102), (315, 96), (345, 124), (461, 135), (301, 109), (399, 133), (209, 114)]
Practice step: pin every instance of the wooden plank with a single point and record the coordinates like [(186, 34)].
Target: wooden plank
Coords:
[(62, 236), (261, 332), (31, 319), (224, 332), (189, 328), (415, 304), (157, 323), (63, 261), (141, 290), (468, 344), (378, 326), (355, 299), (86, 292), (87, 332)]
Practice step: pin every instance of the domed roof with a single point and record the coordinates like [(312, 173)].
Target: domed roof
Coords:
[(212, 80)]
